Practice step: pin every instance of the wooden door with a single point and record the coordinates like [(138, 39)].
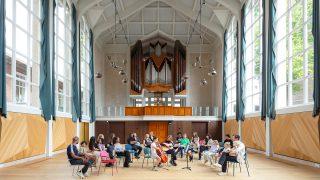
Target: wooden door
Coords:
[(160, 130)]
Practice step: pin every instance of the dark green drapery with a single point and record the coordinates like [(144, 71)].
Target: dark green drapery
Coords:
[(269, 84), (53, 100), (316, 35), (240, 106), (224, 83), (45, 66), (76, 110), (92, 93), (3, 98)]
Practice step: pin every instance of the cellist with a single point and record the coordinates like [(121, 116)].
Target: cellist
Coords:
[(155, 148)]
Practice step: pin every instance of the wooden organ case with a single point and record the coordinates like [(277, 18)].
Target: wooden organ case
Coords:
[(158, 67)]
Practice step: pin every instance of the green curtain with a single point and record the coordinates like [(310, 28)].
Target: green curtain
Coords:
[(316, 35), (76, 111), (224, 83), (240, 106), (92, 93), (45, 66), (269, 83), (3, 100), (271, 63), (264, 65), (53, 100)]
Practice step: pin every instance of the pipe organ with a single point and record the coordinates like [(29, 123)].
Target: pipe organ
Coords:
[(158, 66)]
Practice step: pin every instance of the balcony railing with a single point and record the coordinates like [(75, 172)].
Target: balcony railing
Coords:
[(119, 111)]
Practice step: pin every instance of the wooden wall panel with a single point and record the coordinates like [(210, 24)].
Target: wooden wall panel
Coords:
[(63, 132), (22, 136), (231, 127), (159, 129), (201, 128), (84, 132), (254, 133), (180, 126), (215, 129), (139, 127), (297, 135), (106, 128)]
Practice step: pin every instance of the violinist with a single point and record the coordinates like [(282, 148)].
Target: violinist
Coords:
[(155, 147), (171, 148)]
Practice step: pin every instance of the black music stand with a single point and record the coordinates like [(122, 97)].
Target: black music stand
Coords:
[(187, 167)]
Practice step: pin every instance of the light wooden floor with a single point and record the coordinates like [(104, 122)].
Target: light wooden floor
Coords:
[(260, 168)]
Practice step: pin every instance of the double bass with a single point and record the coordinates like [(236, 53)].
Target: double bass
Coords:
[(162, 155)]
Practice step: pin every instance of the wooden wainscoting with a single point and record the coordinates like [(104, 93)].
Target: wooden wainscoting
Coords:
[(22, 136), (63, 132), (297, 135), (254, 133), (231, 127)]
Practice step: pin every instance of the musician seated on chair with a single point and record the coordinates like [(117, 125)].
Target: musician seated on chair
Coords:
[(171, 148), (134, 144), (205, 145), (147, 141), (156, 152), (210, 153), (231, 154), (76, 158), (185, 147), (120, 151)]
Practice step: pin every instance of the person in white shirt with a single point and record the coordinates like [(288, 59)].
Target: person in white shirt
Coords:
[(154, 154), (236, 154), (208, 155)]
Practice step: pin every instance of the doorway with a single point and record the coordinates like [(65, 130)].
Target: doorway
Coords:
[(160, 130)]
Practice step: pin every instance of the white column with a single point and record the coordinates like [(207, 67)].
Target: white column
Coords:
[(240, 129), (91, 129), (49, 145), (78, 128), (268, 138), (223, 133)]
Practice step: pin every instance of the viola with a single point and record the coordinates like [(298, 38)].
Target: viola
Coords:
[(162, 155)]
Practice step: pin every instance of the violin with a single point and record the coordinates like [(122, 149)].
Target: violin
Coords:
[(162, 155)]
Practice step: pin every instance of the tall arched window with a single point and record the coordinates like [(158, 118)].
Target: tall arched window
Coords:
[(294, 52), (253, 55), (231, 65), (84, 66), (62, 37), (23, 52)]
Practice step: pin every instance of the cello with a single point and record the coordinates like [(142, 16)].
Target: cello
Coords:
[(162, 155)]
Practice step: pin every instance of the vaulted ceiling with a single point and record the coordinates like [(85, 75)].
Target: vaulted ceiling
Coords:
[(145, 18)]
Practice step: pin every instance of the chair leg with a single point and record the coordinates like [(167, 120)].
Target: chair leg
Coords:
[(142, 162), (240, 167), (233, 167), (99, 168), (247, 167), (147, 162)]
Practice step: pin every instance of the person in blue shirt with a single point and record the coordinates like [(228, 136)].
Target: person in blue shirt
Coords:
[(77, 158)]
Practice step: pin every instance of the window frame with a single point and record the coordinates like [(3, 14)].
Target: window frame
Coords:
[(32, 59), (67, 81), (232, 45), (286, 82)]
